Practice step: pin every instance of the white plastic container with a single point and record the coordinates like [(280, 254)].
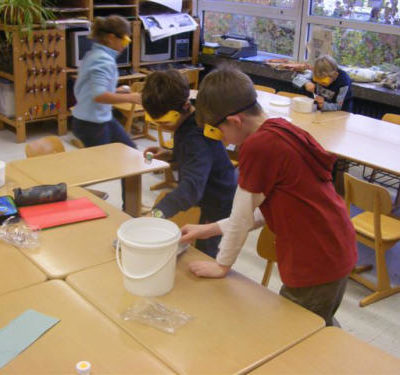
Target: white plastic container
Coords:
[(7, 102), (2, 173), (148, 249), (302, 104)]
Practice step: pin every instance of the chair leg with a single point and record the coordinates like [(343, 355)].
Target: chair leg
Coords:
[(267, 274), (377, 296)]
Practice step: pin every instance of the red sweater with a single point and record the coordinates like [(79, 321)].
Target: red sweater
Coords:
[(315, 239)]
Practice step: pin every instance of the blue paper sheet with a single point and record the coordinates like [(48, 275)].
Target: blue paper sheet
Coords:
[(22, 332)]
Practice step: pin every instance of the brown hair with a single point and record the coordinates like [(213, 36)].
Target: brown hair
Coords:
[(103, 26), (224, 91), (165, 91), (325, 66)]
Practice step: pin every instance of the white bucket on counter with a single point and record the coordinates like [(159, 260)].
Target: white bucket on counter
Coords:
[(302, 104), (146, 255)]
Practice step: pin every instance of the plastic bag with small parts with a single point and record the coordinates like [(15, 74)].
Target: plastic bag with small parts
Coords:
[(18, 234), (156, 314)]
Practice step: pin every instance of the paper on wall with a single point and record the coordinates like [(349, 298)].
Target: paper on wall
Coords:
[(161, 26), (175, 5)]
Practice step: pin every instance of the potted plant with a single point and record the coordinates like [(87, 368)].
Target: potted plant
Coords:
[(24, 14)]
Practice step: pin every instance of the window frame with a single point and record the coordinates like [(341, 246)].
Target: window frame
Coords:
[(255, 10)]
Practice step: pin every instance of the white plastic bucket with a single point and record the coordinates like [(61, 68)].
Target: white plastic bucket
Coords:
[(304, 105), (148, 255)]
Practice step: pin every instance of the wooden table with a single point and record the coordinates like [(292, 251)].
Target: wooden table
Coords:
[(331, 351), (90, 165), (83, 333), (74, 247), (237, 323), (16, 271), (15, 178), (362, 139)]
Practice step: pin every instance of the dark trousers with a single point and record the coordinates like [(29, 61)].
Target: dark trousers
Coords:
[(210, 215), (322, 299), (96, 134)]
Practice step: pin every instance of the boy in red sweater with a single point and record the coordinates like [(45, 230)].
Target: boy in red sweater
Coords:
[(285, 181)]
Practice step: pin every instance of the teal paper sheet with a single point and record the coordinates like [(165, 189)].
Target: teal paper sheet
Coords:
[(22, 332)]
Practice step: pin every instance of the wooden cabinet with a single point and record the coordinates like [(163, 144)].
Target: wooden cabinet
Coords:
[(39, 79)]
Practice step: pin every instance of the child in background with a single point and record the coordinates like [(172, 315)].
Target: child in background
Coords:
[(284, 180), (206, 175), (95, 89), (330, 85)]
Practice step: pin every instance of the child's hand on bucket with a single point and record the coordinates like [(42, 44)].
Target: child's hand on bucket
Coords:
[(209, 269)]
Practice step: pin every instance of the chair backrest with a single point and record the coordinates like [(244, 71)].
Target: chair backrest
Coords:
[(266, 245), (265, 88), (137, 86), (44, 146), (190, 216), (289, 94), (192, 76), (391, 117), (367, 196)]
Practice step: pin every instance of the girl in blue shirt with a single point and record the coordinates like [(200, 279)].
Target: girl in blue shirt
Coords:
[(96, 87)]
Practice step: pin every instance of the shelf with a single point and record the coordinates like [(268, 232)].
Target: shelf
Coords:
[(165, 61), (67, 10), (68, 69), (110, 6), (8, 76)]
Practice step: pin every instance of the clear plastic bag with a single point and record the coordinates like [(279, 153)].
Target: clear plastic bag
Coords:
[(18, 234), (156, 314)]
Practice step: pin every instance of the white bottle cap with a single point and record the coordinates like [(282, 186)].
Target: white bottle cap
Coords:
[(83, 368)]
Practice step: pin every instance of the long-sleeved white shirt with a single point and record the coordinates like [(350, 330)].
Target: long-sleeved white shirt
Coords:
[(245, 216)]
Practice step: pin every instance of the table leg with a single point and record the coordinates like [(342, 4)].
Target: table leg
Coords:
[(20, 128), (133, 195)]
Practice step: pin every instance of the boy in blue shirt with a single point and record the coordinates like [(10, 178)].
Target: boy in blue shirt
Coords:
[(206, 175), (330, 85)]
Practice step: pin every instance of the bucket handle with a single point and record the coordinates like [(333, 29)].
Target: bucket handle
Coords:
[(145, 276)]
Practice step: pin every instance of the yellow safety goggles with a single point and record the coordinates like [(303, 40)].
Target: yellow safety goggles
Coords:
[(125, 41), (324, 81), (212, 131), (170, 117)]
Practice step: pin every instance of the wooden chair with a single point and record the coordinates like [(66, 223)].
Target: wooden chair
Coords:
[(384, 178), (190, 216), (391, 117), (134, 111), (53, 145), (265, 88), (374, 229), (290, 94), (266, 250)]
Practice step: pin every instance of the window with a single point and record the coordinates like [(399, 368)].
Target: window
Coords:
[(274, 24), (274, 36), (363, 32)]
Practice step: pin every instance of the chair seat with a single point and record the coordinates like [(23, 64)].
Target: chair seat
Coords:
[(126, 107), (364, 224), (169, 144)]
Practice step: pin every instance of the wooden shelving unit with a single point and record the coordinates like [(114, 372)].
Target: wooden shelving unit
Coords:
[(39, 79)]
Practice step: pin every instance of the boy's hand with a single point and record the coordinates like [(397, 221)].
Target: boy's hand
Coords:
[(310, 87), (320, 101), (158, 152), (208, 269), (191, 232), (134, 98)]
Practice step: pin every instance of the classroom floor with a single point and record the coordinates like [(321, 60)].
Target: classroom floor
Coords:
[(377, 324)]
